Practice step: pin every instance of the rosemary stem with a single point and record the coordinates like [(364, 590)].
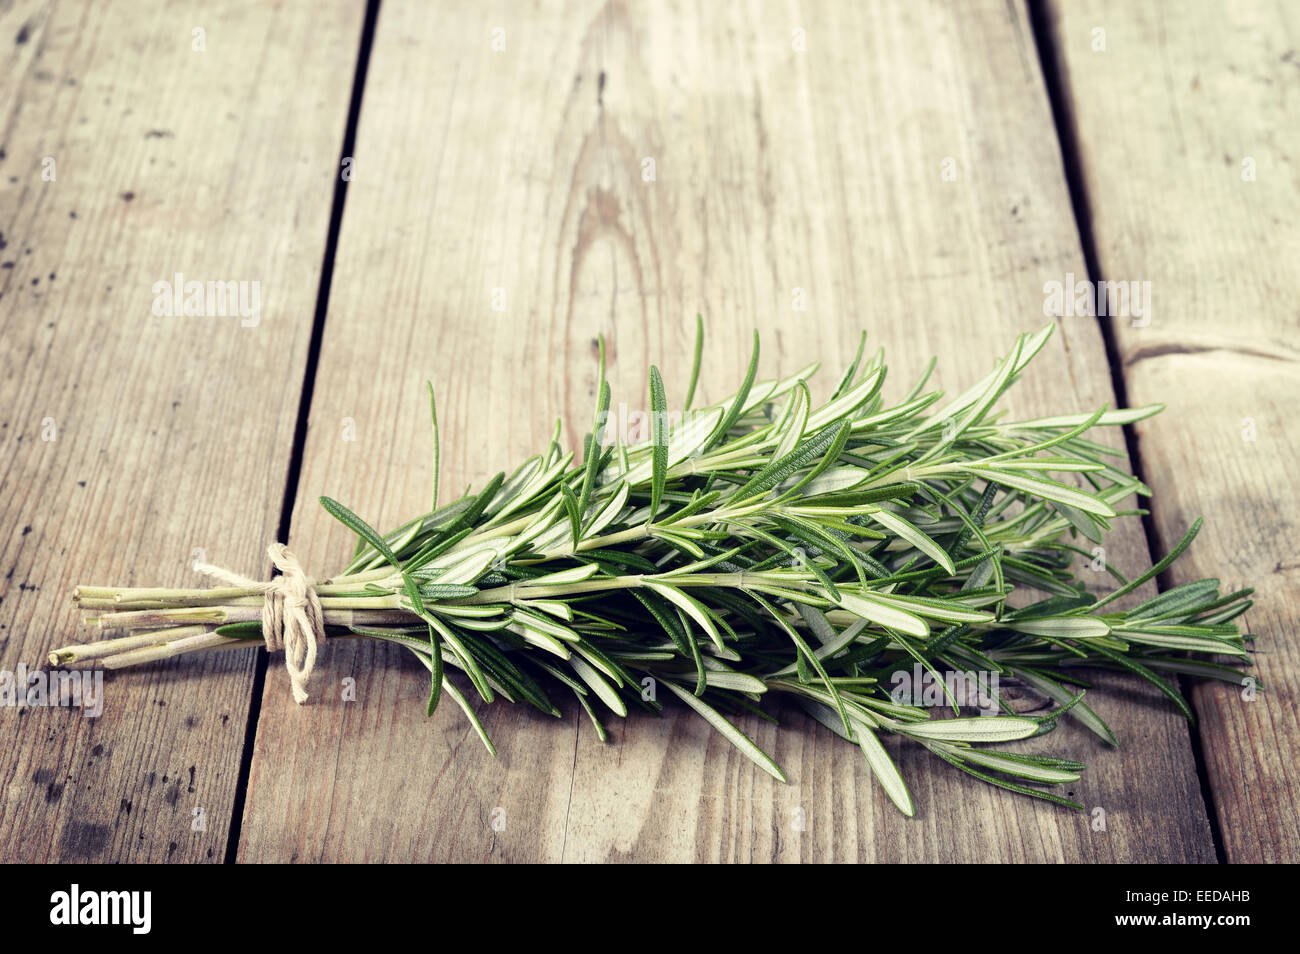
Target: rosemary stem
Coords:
[(84, 652), (646, 530), (186, 644), (524, 590)]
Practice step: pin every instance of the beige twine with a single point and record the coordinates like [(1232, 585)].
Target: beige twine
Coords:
[(291, 615)]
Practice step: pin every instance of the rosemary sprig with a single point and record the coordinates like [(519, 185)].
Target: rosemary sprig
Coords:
[(763, 545)]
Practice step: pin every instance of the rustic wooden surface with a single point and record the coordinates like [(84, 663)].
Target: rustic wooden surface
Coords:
[(131, 439), (1188, 131), (499, 218)]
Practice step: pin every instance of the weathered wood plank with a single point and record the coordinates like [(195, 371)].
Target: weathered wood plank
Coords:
[(775, 170), (1188, 125), (130, 438)]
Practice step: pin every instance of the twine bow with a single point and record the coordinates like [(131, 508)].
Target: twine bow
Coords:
[(291, 614)]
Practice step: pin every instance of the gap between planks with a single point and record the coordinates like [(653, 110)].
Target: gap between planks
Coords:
[(1067, 137), (346, 152)]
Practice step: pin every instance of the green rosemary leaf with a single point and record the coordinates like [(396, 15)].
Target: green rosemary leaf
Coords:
[(604, 663), (1121, 416), (480, 503), (435, 671), (693, 647), (507, 673), (358, 526), (949, 610), (435, 549), (571, 508), (1204, 670), (1180, 640), (1063, 627), (1021, 766), (685, 442), (942, 752), (854, 499), (541, 624), (1061, 464), (1179, 600), (560, 676), (1087, 525), (1046, 489), (611, 511), (556, 608), (844, 405), (663, 614), (700, 565), (470, 714), (735, 681), (827, 716), (596, 681), (921, 382), (691, 606), (812, 449), (729, 731), (514, 485), (883, 767), (977, 729), (1064, 437), (248, 630), (806, 653), (433, 414), (468, 663), (563, 577), (1158, 568), (738, 403), (949, 415), (695, 361), (1133, 666), (413, 594), (1040, 681), (595, 720), (795, 422), (913, 535), (593, 454), (445, 591), (955, 426), (851, 373), (469, 567), (836, 643), (659, 439), (793, 487), (617, 558), (869, 606)]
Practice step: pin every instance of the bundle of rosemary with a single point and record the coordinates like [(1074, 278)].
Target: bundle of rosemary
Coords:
[(764, 545)]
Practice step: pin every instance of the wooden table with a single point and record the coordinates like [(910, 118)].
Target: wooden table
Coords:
[(426, 190)]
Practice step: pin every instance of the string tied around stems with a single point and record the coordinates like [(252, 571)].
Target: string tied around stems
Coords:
[(291, 613)]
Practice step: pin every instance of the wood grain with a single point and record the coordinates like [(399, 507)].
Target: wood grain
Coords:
[(522, 172), (1187, 126), (129, 439)]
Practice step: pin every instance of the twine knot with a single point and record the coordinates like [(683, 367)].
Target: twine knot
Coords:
[(291, 613)]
